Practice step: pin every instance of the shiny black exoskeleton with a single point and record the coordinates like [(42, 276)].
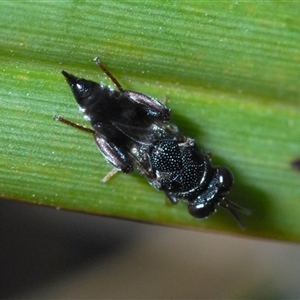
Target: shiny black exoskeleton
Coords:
[(133, 132)]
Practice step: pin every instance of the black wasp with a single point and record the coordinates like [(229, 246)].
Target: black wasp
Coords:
[(133, 132)]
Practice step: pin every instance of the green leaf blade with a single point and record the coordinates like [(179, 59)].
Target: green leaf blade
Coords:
[(230, 71)]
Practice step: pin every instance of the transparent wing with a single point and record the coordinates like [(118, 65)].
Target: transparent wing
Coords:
[(147, 135)]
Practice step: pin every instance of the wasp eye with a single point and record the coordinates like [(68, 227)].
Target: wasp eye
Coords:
[(202, 210), (226, 180)]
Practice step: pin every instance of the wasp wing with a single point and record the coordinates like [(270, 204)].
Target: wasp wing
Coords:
[(156, 131)]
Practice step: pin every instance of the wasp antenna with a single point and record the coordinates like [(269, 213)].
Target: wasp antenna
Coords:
[(233, 209), (239, 208), (109, 75)]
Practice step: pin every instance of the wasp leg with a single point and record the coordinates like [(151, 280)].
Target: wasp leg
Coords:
[(164, 100), (109, 75), (75, 125), (109, 175), (158, 109), (172, 199), (118, 158)]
